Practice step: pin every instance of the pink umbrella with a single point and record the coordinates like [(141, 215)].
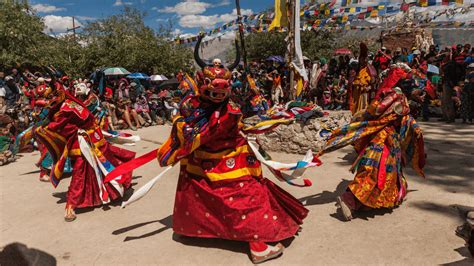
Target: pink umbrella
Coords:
[(342, 51)]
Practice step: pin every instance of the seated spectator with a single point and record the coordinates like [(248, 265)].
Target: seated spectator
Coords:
[(143, 110)]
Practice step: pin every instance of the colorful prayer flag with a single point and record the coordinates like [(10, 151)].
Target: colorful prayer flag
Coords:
[(423, 3), (281, 18)]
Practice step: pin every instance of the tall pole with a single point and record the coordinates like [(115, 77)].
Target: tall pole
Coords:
[(241, 33), (291, 40), (74, 28)]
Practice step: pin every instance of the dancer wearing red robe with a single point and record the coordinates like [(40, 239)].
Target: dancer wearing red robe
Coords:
[(72, 132), (221, 192)]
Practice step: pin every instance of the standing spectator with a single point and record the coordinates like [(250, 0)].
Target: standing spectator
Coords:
[(453, 73), (277, 91), (416, 59), (3, 93), (399, 57), (432, 54), (467, 99), (382, 59), (12, 92), (410, 55), (459, 55)]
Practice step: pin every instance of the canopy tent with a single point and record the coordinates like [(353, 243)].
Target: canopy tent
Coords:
[(116, 71), (138, 76)]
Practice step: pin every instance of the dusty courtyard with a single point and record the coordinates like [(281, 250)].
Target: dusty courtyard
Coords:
[(421, 231)]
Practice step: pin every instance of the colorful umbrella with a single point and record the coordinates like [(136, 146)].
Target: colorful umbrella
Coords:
[(276, 58), (343, 51), (158, 78), (138, 76), (433, 69), (116, 71)]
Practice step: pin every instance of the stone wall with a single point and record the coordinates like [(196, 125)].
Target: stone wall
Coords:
[(299, 137)]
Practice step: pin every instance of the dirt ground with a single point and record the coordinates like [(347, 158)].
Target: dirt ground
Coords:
[(420, 232)]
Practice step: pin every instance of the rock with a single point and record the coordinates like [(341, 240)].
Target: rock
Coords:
[(299, 137), (297, 127)]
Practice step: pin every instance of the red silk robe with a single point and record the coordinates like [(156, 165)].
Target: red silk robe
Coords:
[(60, 136), (221, 192)]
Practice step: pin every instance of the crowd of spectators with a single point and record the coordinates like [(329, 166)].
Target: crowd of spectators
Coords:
[(134, 103), (448, 70)]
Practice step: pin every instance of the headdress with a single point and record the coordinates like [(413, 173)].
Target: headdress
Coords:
[(214, 79)]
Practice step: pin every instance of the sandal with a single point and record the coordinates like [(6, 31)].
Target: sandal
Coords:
[(44, 178), (270, 253), (70, 214)]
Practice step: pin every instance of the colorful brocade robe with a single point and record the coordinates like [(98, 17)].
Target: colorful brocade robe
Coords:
[(387, 138)]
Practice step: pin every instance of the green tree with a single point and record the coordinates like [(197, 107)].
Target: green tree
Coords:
[(264, 44), (124, 40), (21, 37)]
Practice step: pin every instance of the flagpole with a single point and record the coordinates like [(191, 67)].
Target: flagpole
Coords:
[(241, 33), (291, 40)]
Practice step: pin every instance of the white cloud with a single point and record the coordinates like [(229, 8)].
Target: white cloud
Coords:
[(45, 8), (197, 21), (121, 3), (233, 15), (181, 34), (190, 7), (58, 23)]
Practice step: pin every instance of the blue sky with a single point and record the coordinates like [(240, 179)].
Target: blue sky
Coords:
[(187, 16)]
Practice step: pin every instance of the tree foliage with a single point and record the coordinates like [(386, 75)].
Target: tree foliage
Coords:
[(21, 36), (315, 44), (118, 40)]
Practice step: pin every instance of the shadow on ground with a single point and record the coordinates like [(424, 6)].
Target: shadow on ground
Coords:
[(167, 222), (450, 159), (457, 212), (325, 197)]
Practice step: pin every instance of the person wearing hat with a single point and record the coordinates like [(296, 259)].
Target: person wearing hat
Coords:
[(416, 60), (12, 92), (410, 55), (399, 57)]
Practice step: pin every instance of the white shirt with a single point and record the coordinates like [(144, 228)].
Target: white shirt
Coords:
[(3, 92)]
